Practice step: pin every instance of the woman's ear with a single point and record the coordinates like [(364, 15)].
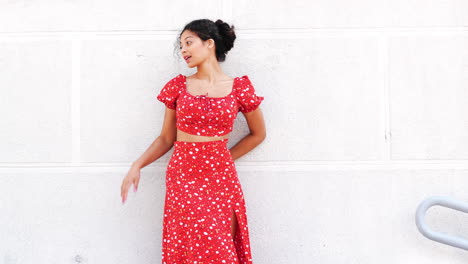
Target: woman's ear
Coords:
[(211, 43)]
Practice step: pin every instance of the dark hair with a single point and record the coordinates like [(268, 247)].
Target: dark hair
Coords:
[(220, 31)]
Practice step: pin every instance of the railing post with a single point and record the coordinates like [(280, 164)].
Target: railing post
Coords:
[(445, 201)]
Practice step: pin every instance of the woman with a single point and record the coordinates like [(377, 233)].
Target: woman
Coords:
[(205, 218)]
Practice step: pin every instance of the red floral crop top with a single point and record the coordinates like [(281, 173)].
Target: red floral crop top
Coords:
[(208, 116)]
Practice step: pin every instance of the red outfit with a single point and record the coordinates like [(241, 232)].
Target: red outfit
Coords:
[(208, 116), (202, 187)]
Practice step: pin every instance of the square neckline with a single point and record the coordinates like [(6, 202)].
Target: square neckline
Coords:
[(202, 95)]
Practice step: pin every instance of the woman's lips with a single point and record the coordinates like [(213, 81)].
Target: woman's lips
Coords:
[(188, 58)]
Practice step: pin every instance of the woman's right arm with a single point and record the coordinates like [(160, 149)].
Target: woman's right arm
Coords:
[(162, 144)]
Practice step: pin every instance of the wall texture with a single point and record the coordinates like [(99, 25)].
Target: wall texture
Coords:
[(365, 106)]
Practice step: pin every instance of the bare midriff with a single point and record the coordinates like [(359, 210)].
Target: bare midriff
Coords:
[(184, 136)]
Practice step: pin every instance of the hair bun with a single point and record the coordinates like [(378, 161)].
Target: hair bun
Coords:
[(221, 23), (227, 33)]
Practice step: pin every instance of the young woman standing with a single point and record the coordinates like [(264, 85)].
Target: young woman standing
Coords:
[(205, 217)]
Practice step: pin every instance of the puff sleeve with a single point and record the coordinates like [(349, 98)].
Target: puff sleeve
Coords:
[(246, 96), (170, 92)]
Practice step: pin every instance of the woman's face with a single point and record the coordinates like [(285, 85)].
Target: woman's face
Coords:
[(193, 50)]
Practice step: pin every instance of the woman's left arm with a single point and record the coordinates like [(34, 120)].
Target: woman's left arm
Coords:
[(257, 134)]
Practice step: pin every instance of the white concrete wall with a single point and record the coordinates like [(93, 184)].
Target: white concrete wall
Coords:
[(366, 109)]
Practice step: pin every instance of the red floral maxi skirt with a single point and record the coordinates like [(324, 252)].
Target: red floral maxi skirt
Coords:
[(203, 194)]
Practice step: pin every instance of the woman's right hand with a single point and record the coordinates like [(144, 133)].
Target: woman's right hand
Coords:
[(133, 177)]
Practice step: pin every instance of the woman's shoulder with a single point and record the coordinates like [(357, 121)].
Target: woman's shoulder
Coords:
[(243, 83), (246, 95), (178, 78), (171, 91), (176, 82)]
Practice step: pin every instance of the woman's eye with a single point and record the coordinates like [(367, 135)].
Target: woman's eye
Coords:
[(180, 46)]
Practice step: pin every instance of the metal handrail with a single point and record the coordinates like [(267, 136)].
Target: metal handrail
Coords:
[(445, 201)]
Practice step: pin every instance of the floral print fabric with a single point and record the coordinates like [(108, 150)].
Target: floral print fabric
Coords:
[(203, 191), (204, 115), (202, 194)]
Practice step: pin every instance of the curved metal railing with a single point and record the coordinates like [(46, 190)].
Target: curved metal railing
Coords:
[(445, 201)]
